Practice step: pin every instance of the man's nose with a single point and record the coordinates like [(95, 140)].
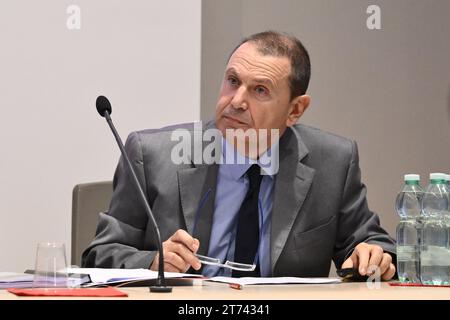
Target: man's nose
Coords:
[(239, 100)]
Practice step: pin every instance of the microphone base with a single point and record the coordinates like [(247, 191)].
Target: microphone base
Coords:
[(160, 289)]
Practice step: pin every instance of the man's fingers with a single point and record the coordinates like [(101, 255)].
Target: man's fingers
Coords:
[(168, 267), (371, 257), (376, 256), (183, 244), (385, 263), (351, 261), (176, 261), (363, 253), (389, 273), (185, 254), (179, 252), (185, 238), (347, 263), (172, 261)]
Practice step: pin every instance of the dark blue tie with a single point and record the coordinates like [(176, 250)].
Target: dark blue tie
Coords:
[(247, 234)]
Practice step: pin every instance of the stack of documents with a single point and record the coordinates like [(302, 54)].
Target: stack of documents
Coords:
[(91, 277), (15, 280), (100, 276), (25, 280)]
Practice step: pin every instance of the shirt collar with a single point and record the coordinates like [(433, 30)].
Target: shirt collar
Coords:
[(241, 163)]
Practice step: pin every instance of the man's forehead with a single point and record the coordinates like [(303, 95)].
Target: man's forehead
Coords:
[(247, 58)]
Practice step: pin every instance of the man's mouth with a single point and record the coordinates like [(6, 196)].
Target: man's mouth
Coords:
[(235, 121)]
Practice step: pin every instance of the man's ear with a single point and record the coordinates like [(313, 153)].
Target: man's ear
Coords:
[(298, 107)]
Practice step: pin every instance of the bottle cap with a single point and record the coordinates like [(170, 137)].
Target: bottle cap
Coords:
[(437, 176), (412, 177)]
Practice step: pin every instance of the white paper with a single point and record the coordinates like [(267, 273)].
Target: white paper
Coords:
[(25, 280), (275, 280), (15, 280), (15, 277), (100, 275)]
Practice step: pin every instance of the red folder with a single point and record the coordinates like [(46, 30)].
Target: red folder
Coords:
[(399, 284)]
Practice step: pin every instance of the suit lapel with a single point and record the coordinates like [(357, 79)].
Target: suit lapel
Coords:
[(197, 186), (197, 194), (291, 187)]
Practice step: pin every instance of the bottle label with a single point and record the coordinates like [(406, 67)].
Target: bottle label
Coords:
[(435, 256), (406, 253)]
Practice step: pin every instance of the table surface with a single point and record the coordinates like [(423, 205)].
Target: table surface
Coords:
[(218, 291)]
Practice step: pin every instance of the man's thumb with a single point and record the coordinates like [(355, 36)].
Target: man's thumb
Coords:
[(347, 263)]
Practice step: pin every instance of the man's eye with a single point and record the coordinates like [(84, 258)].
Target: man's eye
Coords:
[(233, 81), (261, 90)]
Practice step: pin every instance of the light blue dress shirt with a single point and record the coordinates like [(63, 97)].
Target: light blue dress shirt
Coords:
[(232, 186)]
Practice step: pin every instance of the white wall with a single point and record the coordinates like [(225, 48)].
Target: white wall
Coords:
[(143, 55)]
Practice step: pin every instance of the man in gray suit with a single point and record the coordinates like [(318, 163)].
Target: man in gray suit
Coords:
[(309, 212)]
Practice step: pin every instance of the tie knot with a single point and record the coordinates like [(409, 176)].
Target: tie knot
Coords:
[(254, 176)]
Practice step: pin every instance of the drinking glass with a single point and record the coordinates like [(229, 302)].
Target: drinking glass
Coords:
[(51, 268)]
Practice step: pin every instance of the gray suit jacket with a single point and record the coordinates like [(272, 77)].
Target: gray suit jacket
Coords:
[(319, 213)]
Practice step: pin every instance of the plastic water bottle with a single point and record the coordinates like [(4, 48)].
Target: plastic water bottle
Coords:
[(447, 177), (408, 207), (435, 249)]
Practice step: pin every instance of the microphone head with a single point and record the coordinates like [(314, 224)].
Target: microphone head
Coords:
[(102, 104)]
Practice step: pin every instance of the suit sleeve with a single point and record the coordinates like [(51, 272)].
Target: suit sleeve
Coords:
[(120, 236), (356, 222)]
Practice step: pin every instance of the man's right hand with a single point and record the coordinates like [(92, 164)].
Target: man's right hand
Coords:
[(179, 253)]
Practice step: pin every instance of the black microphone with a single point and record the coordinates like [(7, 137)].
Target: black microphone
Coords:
[(104, 109)]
